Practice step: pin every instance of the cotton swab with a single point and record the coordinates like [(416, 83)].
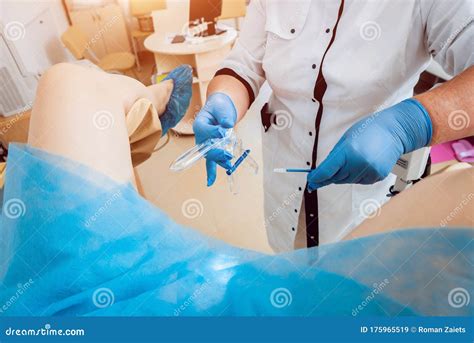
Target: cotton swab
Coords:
[(291, 170)]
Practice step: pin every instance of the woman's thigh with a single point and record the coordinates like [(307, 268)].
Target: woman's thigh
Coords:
[(442, 200), (79, 113)]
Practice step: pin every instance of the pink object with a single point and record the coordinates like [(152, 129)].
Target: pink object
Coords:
[(464, 150), (442, 153)]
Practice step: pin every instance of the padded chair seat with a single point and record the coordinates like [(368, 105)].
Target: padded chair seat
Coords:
[(117, 61)]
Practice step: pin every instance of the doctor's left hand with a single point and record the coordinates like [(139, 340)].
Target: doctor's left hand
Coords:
[(215, 118), (368, 151)]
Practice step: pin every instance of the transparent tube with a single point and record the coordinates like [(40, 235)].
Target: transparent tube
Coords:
[(199, 151)]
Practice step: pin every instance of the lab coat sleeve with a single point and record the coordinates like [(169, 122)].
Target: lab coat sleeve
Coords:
[(245, 60), (450, 33)]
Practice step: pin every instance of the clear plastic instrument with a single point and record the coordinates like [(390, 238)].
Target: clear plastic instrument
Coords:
[(230, 143)]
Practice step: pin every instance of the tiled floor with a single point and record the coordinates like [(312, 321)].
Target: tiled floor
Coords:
[(236, 219)]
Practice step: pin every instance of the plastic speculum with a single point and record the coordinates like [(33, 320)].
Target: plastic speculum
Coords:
[(231, 143)]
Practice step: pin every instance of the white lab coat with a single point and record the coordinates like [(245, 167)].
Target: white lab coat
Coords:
[(377, 53)]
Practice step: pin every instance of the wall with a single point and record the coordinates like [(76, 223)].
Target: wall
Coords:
[(34, 29)]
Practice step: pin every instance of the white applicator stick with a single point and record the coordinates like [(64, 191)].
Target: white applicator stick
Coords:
[(291, 170)]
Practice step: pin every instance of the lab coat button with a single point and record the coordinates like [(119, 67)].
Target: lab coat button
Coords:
[(313, 100), (314, 66), (310, 133), (296, 211), (292, 31), (299, 188), (292, 229), (328, 30), (308, 164)]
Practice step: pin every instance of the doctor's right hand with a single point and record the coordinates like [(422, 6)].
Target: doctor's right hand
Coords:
[(215, 118), (368, 151)]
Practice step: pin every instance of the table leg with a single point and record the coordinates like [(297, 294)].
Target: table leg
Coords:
[(135, 51)]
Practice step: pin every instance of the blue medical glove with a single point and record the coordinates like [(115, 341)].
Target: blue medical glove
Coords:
[(368, 151), (180, 98), (217, 115)]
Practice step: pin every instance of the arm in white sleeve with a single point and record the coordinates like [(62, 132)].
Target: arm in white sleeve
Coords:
[(245, 60), (450, 33)]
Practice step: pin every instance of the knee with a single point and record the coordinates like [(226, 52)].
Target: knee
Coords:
[(58, 73)]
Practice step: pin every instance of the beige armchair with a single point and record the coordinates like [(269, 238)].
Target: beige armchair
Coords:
[(76, 41)]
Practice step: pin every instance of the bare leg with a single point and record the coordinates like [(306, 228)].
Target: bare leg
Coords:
[(79, 113), (443, 200)]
